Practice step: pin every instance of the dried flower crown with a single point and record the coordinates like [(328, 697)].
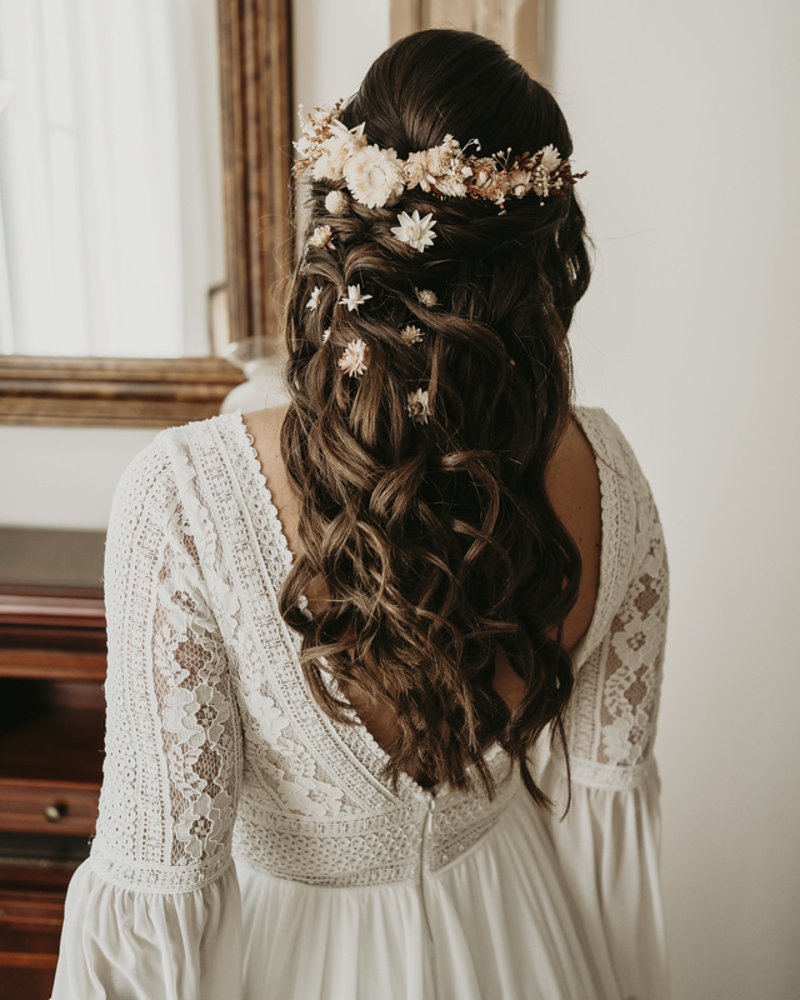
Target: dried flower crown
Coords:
[(376, 177)]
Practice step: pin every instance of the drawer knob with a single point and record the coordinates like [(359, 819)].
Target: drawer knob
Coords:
[(55, 813)]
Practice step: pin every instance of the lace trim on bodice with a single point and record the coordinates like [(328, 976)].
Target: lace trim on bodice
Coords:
[(315, 806)]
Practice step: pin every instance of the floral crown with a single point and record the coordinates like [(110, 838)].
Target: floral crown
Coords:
[(376, 177)]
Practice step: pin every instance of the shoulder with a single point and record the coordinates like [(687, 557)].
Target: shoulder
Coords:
[(629, 505), (162, 483), (612, 449), (174, 452)]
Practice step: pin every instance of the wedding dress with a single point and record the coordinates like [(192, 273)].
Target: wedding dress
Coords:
[(247, 845)]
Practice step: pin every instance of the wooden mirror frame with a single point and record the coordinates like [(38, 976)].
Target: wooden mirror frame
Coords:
[(256, 104)]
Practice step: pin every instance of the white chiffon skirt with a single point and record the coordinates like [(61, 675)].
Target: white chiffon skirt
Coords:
[(529, 913), (539, 909)]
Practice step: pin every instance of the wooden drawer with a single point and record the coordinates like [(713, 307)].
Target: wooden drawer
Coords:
[(31, 911), (37, 806), (30, 928)]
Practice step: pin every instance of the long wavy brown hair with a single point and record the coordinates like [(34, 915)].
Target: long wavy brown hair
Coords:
[(439, 549)]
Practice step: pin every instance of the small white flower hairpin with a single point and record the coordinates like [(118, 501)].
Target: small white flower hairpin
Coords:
[(312, 302), (322, 237), (418, 408), (353, 361), (411, 334), (354, 298), (427, 297), (417, 232)]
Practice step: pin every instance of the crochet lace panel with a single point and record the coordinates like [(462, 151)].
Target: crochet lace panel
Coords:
[(214, 742), (173, 747)]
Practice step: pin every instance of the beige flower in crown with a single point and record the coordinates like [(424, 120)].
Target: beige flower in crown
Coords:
[(518, 182), (337, 151), (317, 125), (375, 177), (416, 172), (542, 180), (447, 166)]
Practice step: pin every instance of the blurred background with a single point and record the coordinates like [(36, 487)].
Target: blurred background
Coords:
[(685, 115)]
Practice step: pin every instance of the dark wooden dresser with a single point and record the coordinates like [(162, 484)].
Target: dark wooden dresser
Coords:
[(52, 666)]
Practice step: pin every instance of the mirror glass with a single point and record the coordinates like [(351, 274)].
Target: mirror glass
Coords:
[(111, 216)]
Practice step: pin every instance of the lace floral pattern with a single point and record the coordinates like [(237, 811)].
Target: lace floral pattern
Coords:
[(214, 741), (611, 719), (173, 753)]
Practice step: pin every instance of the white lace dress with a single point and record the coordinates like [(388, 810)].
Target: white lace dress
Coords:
[(247, 847)]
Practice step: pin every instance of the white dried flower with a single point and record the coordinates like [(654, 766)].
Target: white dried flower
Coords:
[(337, 203), (312, 302), (316, 128), (418, 408), (518, 182), (337, 150), (416, 173), (326, 336), (451, 185), (416, 231), (427, 297), (375, 176), (411, 334), (549, 163), (322, 237), (330, 162), (354, 137), (354, 298), (551, 158), (353, 361)]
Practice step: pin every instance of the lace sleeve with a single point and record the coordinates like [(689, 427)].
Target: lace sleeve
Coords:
[(611, 719), (173, 754)]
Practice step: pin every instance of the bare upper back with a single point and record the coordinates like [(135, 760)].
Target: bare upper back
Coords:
[(573, 487)]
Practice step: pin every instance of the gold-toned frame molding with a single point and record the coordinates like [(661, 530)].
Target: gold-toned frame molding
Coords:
[(256, 105), (515, 24)]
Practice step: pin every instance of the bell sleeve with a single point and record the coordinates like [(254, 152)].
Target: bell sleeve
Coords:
[(154, 913), (608, 844)]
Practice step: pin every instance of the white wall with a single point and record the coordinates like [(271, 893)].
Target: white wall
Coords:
[(685, 114), (334, 45), (63, 477)]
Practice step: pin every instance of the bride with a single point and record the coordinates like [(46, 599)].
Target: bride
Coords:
[(384, 664)]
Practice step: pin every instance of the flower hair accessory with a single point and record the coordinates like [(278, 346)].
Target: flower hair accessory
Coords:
[(354, 298), (353, 361), (376, 177), (418, 406), (417, 232)]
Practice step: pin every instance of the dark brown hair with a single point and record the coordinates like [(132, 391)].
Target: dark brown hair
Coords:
[(437, 543)]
